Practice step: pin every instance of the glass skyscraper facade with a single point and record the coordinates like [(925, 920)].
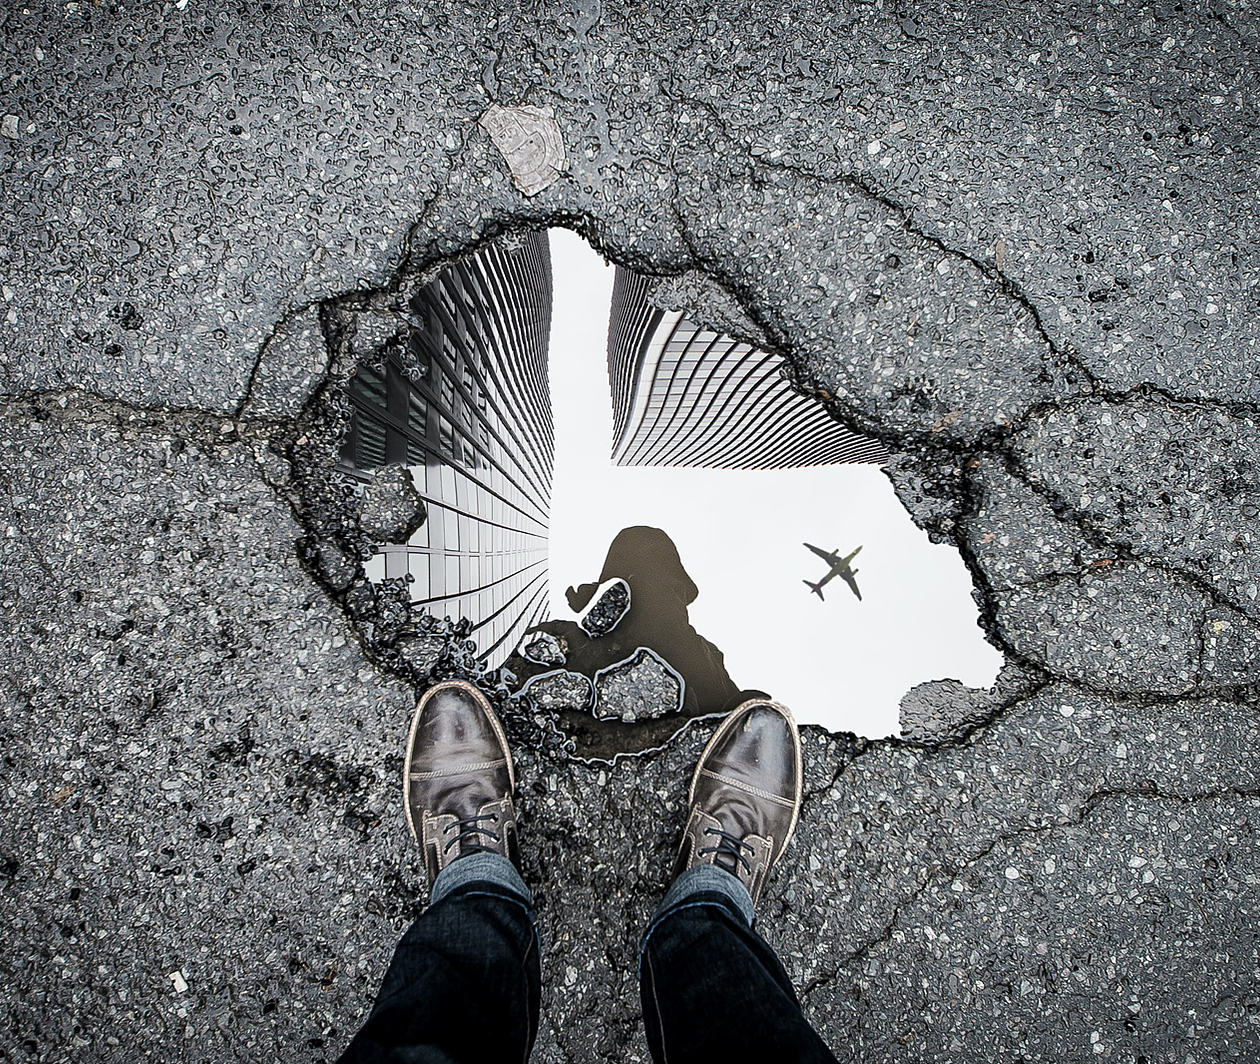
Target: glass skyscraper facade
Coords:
[(462, 399), (684, 395)]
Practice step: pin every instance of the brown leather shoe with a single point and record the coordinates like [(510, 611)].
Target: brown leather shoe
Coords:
[(458, 778), (745, 795)]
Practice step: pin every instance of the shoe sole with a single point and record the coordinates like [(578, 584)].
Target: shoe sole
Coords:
[(484, 703), (725, 726)]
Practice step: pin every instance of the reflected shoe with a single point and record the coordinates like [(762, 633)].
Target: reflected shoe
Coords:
[(745, 796), (458, 778)]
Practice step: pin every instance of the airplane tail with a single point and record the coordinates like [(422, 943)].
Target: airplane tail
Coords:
[(815, 588)]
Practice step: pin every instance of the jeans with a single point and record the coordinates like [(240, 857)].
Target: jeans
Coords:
[(464, 982)]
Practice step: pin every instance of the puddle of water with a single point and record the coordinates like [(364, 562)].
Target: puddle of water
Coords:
[(656, 617), (715, 561), (741, 535), (464, 404)]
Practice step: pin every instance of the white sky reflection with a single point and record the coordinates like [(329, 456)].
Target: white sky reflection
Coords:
[(841, 663)]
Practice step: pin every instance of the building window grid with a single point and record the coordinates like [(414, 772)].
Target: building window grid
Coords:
[(716, 353), (506, 450), (369, 433), (532, 377), (454, 446), (531, 367), (681, 332), (483, 467), (726, 366), (681, 422), (486, 362), (725, 424)]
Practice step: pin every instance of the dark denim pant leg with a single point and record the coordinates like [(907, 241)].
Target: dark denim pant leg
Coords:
[(712, 989), (464, 982)]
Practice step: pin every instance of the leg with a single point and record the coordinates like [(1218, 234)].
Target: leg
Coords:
[(712, 989), (464, 981)]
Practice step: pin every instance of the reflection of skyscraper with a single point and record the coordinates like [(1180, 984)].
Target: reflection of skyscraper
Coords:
[(473, 422), (684, 395)]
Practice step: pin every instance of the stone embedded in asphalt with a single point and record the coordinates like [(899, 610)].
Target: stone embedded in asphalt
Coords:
[(609, 607), (420, 651), (332, 563), (374, 333), (642, 687), (560, 690), (543, 648), (390, 508), (529, 139), (1231, 648)]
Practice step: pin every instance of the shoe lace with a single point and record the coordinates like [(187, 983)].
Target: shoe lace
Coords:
[(728, 846), (467, 829)]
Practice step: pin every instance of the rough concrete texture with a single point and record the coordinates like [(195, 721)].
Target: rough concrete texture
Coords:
[(642, 687), (543, 648), (606, 612), (390, 508), (1019, 247), (559, 689)]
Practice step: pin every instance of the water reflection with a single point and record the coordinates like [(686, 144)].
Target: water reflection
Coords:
[(841, 567), (455, 387), (660, 592), (685, 395)]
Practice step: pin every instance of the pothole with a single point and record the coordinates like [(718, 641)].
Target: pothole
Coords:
[(663, 528)]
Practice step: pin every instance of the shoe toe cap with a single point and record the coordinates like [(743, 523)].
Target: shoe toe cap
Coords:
[(455, 717), (455, 729), (760, 748)]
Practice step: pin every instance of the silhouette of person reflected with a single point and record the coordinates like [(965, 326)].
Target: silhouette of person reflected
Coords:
[(660, 592)]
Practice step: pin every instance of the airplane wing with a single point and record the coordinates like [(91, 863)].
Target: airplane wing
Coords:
[(831, 556), (851, 580)]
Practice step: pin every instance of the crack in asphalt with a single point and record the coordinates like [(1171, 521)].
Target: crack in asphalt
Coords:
[(291, 315), (859, 747), (1103, 540), (209, 427), (1146, 391), (931, 747), (1006, 284), (68, 395), (973, 729), (942, 871), (969, 498)]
